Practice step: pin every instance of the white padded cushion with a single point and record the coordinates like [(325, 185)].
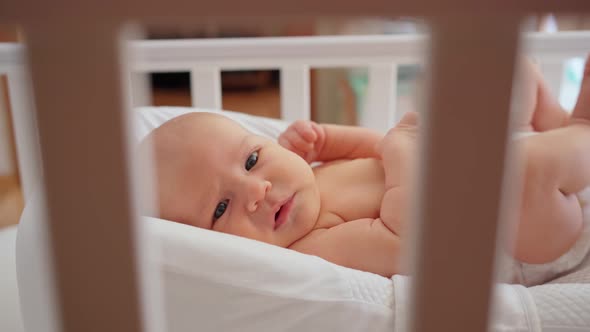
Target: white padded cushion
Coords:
[(225, 283), (149, 118), (563, 307)]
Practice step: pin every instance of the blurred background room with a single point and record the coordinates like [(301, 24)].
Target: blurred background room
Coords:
[(337, 94)]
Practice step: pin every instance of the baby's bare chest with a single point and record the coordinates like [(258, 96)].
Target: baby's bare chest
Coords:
[(350, 189)]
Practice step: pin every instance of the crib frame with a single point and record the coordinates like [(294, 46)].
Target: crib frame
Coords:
[(294, 56), (75, 180)]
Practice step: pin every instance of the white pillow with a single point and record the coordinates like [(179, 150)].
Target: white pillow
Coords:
[(149, 118), (220, 282)]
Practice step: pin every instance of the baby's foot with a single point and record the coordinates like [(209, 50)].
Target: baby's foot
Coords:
[(398, 149), (581, 112)]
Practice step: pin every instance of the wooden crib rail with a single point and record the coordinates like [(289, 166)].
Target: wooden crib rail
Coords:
[(80, 112), (229, 10)]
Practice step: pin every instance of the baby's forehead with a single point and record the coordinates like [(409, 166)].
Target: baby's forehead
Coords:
[(215, 135), (192, 135), (212, 124)]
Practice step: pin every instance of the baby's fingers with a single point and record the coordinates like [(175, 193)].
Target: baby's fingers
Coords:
[(305, 130), (294, 142)]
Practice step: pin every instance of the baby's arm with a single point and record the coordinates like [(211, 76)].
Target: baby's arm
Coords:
[(363, 244), (347, 142), (327, 142)]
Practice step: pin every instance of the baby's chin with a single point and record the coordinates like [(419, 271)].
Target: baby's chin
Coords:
[(311, 205)]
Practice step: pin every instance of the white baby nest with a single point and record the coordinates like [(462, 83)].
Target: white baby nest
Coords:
[(218, 282)]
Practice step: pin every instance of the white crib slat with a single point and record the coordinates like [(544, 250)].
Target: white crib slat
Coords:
[(91, 228), (295, 93), (25, 130), (462, 170), (206, 87), (138, 90), (381, 97)]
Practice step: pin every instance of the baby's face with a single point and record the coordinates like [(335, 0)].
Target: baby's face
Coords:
[(219, 176)]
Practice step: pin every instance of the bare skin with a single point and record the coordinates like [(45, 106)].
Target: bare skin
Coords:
[(214, 174)]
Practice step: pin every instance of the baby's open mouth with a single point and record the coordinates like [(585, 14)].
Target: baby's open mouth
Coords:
[(283, 213)]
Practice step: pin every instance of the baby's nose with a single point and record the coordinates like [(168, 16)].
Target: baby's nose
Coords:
[(256, 192)]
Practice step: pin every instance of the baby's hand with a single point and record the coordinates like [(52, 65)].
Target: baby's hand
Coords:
[(305, 138)]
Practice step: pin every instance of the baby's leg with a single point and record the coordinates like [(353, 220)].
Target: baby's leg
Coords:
[(556, 167), (581, 111), (397, 150)]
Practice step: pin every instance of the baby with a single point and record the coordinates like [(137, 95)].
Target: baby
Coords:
[(351, 209)]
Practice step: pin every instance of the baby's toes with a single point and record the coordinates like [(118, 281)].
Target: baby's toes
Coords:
[(582, 109), (409, 119)]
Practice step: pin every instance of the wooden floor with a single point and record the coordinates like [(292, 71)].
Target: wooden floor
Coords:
[(11, 200), (263, 102)]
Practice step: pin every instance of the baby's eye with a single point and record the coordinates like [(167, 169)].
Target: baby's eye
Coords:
[(252, 160), (220, 209)]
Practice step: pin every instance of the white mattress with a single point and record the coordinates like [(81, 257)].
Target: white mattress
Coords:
[(219, 282)]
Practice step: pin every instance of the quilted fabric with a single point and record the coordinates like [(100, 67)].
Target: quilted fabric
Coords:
[(563, 307), (369, 288), (564, 303)]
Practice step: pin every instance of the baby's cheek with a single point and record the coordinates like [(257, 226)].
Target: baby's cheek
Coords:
[(242, 227)]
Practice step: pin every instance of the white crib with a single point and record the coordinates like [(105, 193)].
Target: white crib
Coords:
[(91, 112)]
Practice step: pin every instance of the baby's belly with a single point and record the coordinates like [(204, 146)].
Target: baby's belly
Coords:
[(351, 189)]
